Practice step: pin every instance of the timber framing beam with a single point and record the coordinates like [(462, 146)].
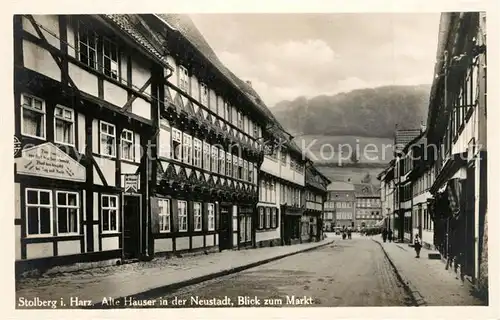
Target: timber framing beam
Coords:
[(55, 55), (131, 100)]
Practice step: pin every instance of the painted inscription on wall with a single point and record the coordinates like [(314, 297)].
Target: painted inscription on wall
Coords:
[(46, 160)]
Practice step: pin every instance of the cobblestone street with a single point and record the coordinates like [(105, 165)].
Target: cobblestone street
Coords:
[(347, 273)]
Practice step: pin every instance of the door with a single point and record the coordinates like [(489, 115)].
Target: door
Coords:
[(131, 226), (225, 234)]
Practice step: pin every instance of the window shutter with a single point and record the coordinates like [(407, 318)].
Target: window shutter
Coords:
[(155, 218), (204, 216), (175, 218)]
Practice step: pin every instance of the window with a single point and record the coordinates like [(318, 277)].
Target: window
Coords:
[(38, 212), (222, 161), (109, 212), (275, 218), (183, 79), (227, 112), (261, 218), (187, 149), (250, 128), (229, 165), (108, 138), (87, 46), (206, 156), (164, 215), (239, 120), (32, 116), (110, 58), (239, 174), (127, 141), (67, 212), (204, 94), (250, 172), (245, 124), (268, 217), (176, 144), (197, 153), (211, 217), (182, 215), (197, 216), (215, 157), (64, 125), (245, 170)]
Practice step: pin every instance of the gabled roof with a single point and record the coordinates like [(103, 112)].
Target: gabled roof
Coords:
[(404, 136)]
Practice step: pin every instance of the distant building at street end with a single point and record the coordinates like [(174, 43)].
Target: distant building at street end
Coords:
[(368, 206), (340, 205)]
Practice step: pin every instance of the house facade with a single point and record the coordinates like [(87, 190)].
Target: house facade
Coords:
[(368, 206), (457, 127), (387, 194), (85, 109), (341, 201), (133, 142), (315, 196)]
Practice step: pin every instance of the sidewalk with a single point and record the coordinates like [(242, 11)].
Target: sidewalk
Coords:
[(429, 282), (147, 277)]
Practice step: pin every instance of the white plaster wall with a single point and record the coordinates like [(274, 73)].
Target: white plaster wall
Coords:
[(39, 250), (68, 247), (38, 59), (110, 243)]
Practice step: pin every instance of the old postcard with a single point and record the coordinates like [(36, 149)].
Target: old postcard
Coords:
[(181, 160)]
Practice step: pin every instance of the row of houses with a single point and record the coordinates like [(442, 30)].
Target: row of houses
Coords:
[(352, 205), (436, 186), (133, 140)]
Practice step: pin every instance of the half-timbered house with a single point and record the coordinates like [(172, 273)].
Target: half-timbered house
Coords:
[(85, 109), (315, 197)]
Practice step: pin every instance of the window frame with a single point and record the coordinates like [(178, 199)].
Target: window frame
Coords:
[(165, 216), (184, 80), (176, 139), (61, 118), (207, 157), (67, 206), (117, 212), (101, 133), (197, 153), (130, 141), (261, 218), (187, 148), (50, 206), (43, 112), (197, 216), (210, 216), (204, 94), (183, 216)]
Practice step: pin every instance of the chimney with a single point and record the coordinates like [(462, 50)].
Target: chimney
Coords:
[(249, 83)]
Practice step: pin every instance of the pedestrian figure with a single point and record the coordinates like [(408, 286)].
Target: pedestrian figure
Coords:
[(389, 235), (349, 231), (417, 244), (384, 235)]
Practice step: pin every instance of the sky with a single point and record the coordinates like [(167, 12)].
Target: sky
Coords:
[(290, 55)]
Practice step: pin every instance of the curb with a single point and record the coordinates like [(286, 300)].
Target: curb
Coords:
[(408, 287), (177, 285)]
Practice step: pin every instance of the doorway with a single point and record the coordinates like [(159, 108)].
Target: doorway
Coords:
[(225, 234), (131, 226)]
